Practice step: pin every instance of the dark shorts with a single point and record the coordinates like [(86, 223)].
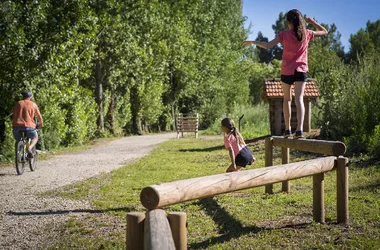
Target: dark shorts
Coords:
[(297, 77), (244, 157), (30, 133)]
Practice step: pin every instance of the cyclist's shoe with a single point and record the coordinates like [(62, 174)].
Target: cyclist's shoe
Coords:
[(299, 134), (287, 133), (30, 154)]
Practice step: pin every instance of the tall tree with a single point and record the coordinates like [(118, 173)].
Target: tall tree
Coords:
[(365, 41)]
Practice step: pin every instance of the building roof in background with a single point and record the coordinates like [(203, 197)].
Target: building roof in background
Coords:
[(273, 89)]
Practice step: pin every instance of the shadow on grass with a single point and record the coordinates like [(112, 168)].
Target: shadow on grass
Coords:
[(255, 140), (370, 187), (365, 163), (90, 211), (229, 227), (202, 149), (248, 142)]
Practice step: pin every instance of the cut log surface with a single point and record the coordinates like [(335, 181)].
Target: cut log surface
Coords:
[(335, 148), (165, 194), (157, 234)]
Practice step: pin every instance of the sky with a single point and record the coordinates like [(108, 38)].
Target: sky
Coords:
[(348, 15)]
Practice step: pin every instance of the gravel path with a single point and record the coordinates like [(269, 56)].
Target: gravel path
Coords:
[(23, 213)]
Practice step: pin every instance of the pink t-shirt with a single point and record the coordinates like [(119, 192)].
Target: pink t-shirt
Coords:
[(230, 141), (294, 56)]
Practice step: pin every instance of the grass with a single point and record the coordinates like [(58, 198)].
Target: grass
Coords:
[(246, 219), (254, 123)]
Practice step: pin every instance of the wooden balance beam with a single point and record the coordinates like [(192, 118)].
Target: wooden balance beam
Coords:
[(157, 196), (335, 148)]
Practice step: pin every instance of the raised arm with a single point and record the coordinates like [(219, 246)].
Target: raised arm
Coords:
[(321, 31), (264, 45)]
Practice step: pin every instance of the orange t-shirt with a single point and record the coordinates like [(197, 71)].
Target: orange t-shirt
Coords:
[(23, 114)]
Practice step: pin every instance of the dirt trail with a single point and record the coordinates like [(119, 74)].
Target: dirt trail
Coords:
[(23, 213)]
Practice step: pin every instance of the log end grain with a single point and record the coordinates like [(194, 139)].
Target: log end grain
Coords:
[(149, 198)]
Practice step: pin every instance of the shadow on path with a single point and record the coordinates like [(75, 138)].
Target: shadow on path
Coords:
[(90, 211)]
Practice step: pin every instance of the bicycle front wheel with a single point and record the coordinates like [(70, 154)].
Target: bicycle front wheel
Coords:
[(20, 158), (33, 161)]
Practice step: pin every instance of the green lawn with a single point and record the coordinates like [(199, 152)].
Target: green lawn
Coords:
[(246, 219)]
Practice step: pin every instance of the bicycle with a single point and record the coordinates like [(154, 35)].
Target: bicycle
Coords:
[(22, 147)]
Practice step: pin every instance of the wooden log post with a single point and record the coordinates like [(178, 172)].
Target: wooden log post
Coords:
[(157, 233), (135, 230), (268, 161), (178, 221), (277, 103), (285, 160), (197, 124), (342, 190), (165, 194), (335, 148), (307, 119), (318, 198)]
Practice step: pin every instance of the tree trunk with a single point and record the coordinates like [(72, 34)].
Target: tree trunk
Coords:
[(111, 112), (99, 93), (135, 110), (172, 85)]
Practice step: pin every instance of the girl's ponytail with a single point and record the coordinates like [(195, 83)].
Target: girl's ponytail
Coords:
[(238, 136), (229, 123), (299, 27)]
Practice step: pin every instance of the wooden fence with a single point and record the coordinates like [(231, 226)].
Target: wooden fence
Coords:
[(187, 124), (157, 196)]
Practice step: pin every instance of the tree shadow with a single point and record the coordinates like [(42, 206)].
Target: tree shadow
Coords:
[(59, 212), (229, 227), (2, 174), (202, 149), (248, 142), (255, 140), (370, 187), (365, 163)]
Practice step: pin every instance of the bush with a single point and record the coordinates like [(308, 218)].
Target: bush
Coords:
[(7, 147), (351, 104), (80, 119), (374, 142)]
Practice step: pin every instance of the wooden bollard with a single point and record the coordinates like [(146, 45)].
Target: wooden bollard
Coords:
[(285, 160), (135, 231), (178, 221), (334, 148), (269, 161), (157, 233), (170, 193), (319, 198), (342, 190)]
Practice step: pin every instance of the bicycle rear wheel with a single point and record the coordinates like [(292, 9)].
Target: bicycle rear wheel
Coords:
[(33, 161), (20, 158)]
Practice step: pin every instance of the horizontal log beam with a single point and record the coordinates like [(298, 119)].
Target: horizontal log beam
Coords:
[(170, 193), (157, 232), (188, 119), (188, 125), (335, 148)]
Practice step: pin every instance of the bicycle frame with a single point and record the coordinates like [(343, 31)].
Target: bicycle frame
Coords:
[(21, 154)]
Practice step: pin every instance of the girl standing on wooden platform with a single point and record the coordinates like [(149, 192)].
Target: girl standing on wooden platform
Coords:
[(240, 154), (294, 66)]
